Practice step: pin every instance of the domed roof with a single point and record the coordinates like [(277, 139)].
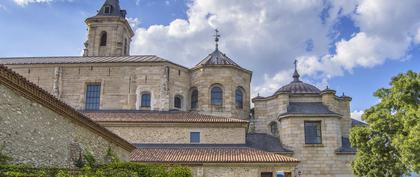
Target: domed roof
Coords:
[(297, 86)]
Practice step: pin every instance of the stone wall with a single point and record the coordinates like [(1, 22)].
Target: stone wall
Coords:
[(318, 160), (118, 30), (238, 170), (229, 79), (179, 85), (37, 135), (123, 83), (267, 111), (339, 105), (178, 134)]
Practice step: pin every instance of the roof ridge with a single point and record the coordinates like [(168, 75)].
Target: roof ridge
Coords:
[(77, 56)]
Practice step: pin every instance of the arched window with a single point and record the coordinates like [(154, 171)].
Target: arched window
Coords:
[(145, 100), (194, 99), (216, 96), (239, 98), (273, 128), (178, 102), (104, 37), (125, 47), (108, 9)]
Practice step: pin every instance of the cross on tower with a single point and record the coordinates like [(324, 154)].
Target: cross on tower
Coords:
[(216, 38), (296, 62)]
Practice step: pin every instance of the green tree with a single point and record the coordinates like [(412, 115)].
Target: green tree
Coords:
[(390, 144)]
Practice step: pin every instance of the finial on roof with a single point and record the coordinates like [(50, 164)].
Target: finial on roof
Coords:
[(296, 74), (217, 38)]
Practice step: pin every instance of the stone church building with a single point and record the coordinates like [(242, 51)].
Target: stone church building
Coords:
[(199, 116)]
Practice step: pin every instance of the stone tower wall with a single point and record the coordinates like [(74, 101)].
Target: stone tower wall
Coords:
[(118, 30), (229, 79), (267, 111)]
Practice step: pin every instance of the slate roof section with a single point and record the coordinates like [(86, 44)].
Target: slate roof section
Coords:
[(345, 147), (197, 155), (297, 86), (33, 92), (135, 116), (116, 9), (217, 58), (81, 60), (308, 108), (266, 142), (355, 122)]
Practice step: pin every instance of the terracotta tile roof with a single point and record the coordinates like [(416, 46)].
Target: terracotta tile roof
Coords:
[(157, 117), (33, 92), (198, 155)]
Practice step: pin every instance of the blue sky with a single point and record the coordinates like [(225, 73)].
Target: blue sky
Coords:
[(354, 47)]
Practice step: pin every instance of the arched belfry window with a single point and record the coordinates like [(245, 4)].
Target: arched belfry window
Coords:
[(273, 128), (108, 9), (194, 98), (104, 38), (239, 98), (145, 100), (178, 102), (216, 96)]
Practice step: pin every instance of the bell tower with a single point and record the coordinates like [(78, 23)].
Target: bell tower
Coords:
[(109, 33)]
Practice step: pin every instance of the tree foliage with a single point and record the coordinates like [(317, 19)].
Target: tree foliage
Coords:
[(390, 144)]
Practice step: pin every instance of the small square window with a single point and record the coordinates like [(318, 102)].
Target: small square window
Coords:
[(313, 134), (195, 137)]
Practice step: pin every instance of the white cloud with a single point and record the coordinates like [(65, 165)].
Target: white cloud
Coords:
[(418, 36), (267, 35), (387, 31), (264, 36), (26, 2), (357, 115), (134, 22)]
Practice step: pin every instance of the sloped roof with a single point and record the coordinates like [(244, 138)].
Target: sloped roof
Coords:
[(187, 154), (33, 92), (81, 59), (308, 108), (132, 116), (115, 11), (217, 58), (355, 122), (266, 142), (299, 87)]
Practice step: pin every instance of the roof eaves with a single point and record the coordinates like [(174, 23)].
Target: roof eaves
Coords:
[(285, 115)]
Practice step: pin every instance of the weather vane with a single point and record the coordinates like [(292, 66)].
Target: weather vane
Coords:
[(216, 38)]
